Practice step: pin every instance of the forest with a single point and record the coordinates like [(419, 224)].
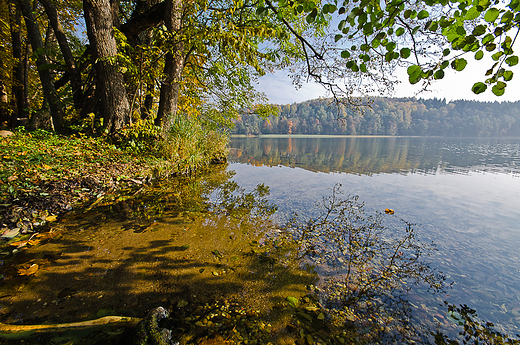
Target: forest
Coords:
[(390, 116)]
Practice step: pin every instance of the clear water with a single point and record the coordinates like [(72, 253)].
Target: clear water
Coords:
[(464, 194)]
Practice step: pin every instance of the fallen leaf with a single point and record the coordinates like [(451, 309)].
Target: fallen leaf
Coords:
[(47, 235), (12, 178), (11, 233), (19, 244), (51, 218), (389, 211), (28, 271), (293, 302), (46, 167)]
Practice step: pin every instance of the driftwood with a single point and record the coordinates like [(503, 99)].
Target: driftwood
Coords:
[(104, 321)]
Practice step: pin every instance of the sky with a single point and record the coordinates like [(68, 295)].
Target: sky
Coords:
[(454, 86)]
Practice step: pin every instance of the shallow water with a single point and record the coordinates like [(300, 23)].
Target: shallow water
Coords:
[(163, 245), (464, 194)]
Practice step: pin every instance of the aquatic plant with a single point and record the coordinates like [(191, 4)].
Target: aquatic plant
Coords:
[(368, 267)]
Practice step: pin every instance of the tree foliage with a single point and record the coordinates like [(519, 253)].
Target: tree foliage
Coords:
[(391, 116), (372, 38), (159, 59)]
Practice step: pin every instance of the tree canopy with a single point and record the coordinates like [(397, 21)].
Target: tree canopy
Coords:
[(150, 61), (429, 37)]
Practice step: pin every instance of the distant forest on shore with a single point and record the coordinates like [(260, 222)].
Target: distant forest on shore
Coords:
[(390, 116)]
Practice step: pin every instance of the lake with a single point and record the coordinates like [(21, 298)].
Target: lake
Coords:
[(463, 194), (204, 246)]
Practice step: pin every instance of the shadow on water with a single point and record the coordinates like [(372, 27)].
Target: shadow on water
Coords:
[(177, 244)]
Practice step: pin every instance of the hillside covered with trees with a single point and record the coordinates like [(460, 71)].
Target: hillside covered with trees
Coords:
[(390, 116)]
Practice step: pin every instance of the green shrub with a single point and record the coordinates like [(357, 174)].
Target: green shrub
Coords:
[(191, 144)]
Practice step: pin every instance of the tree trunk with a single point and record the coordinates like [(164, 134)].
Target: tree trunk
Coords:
[(34, 34), (4, 109), (110, 85), (75, 78), (15, 18), (173, 67)]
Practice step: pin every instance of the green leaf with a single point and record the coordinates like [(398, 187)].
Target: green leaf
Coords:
[(423, 14), (507, 17), (490, 47), (491, 15), (390, 46), (508, 75), (337, 37), (461, 31), (479, 30), (293, 302), (446, 52), (405, 53), (484, 4), (479, 55), (488, 38), (399, 31), (262, 11), (414, 74), (512, 60), (438, 74), (345, 54), (479, 88), (459, 64), (497, 55), (473, 13), (363, 68), (497, 90)]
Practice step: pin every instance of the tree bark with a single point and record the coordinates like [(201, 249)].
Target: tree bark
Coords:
[(75, 78), (173, 67), (110, 85), (34, 34), (4, 107), (15, 18), (143, 18)]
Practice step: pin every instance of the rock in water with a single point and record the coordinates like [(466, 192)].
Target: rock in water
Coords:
[(148, 331)]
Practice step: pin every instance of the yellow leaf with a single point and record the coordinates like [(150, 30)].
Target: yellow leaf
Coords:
[(389, 211), (19, 244), (12, 178), (46, 167), (51, 218), (28, 271), (34, 242)]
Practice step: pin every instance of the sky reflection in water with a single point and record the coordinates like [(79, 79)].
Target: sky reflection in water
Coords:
[(463, 192)]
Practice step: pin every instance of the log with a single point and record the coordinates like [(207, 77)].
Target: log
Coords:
[(6, 329)]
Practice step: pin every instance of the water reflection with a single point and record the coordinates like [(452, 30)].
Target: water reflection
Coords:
[(362, 155), (463, 194)]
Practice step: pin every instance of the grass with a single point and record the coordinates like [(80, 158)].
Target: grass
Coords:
[(29, 160)]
